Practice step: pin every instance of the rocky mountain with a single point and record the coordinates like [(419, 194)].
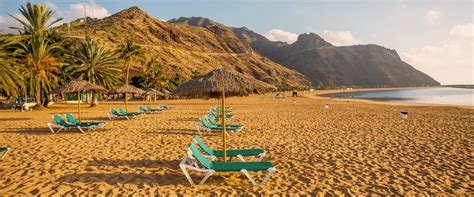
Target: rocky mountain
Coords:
[(328, 65), (183, 49)]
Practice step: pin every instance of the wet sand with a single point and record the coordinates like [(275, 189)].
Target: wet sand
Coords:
[(352, 148)]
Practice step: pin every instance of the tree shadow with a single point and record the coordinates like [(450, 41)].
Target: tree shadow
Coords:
[(14, 119), (171, 133), (171, 175), (185, 119), (166, 178), (47, 131), (101, 119), (36, 131), (145, 163)]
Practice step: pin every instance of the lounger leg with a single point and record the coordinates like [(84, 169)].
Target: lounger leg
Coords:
[(199, 131), (269, 174), (241, 158), (108, 115), (5, 153), (209, 173), (60, 129), (244, 171), (186, 174), (261, 156), (50, 127), (80, 129)]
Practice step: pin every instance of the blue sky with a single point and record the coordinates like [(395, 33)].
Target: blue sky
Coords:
[(436, 37)]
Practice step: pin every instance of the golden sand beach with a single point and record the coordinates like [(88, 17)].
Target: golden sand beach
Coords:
[(351, 148)]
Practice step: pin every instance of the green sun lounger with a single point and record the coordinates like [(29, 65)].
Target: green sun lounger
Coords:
[(73, 120), (164, 106), (206, 127), (240, 153), (213, 121), (63, 125), (123, 112), (198, 162), (115, 114), (154, 110), (143, 110), (4, 151), (215, 115), (218, 109)]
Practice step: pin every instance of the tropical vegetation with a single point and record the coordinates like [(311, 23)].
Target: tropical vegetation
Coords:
[(39, 59)]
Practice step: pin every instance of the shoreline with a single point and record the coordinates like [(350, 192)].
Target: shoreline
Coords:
[(318, 94)]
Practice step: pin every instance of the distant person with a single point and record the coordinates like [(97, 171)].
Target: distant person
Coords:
[(295, 93)]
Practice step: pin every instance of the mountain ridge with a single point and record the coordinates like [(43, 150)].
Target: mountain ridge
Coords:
[(328, 65), (184, 49)]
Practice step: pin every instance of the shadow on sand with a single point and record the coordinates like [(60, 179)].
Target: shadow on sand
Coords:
[(14, 119), (171, 176)]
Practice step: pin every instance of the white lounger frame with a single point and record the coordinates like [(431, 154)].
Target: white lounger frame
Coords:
[(112, 116), (188, 162), (5, 153), (203, 130), (51, 124), (212, 157)]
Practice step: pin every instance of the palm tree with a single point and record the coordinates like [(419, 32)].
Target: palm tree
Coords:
[(38, 52), (129, 52), (41, 61), (9, 76), (95, 63), (37, 19), (154, 76)]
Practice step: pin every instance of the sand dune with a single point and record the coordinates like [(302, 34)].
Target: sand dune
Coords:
[(351, 148)]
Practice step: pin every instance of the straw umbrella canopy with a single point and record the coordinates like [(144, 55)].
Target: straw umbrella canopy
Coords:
[(211, 85), (222, 82), (154, 93), (78, 86), (126, 89)]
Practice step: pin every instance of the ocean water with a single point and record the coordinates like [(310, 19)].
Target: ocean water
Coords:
[(431, 95)]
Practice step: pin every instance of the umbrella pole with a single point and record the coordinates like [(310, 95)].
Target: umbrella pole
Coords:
[(223, 125), (79, 105)]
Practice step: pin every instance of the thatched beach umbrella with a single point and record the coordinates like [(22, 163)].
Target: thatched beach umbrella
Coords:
[(153, 92), (221, 81), (127, 89), (78, 86)]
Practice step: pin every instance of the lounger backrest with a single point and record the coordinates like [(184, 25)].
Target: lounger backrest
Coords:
[(212, 113), (212, 120), (203, 146), (122, 111), (205, 123), (60, 120), (199, 157), (149, 107), (114, 112), (71, 118), (141, 108)]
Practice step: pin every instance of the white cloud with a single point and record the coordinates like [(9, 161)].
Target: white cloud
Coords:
[(431, 16), (92, 10), (73, 12), (7, 21), (281, 35), (340, 38), (449, 61)]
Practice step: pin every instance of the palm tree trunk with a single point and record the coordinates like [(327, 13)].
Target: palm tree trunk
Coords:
[(46, 99), (38, 98), (94, 100), (126, 83)]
